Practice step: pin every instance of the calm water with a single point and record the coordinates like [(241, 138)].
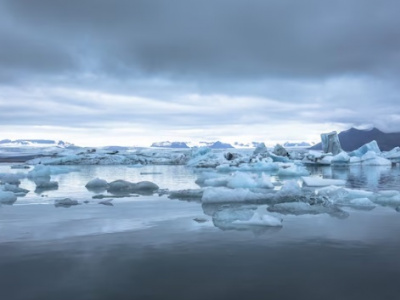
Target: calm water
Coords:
[(152, 248)]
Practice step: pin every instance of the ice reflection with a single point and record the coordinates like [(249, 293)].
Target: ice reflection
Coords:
[(373, 178)]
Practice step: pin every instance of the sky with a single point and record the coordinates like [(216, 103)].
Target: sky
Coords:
[(129, 72)]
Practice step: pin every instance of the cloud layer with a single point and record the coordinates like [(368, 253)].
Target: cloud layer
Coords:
[(181, 68)]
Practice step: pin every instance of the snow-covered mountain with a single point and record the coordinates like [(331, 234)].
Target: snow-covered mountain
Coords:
[(168, 144), (246, 145), (296, 145), (34, 143)]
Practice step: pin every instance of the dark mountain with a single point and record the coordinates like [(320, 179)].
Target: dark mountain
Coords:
[(353, 139)]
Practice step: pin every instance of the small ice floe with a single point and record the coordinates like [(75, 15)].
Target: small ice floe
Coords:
[(15, 189), (45, 184), (22, 167), (126, 187), (107, 202), (292, 170), (7, 197), (200, 220), (320, 182), (97, 185), (12, 178), (188, 194), (67, 202)]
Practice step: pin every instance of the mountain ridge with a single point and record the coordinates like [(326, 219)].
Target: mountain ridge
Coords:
[(354, 138)]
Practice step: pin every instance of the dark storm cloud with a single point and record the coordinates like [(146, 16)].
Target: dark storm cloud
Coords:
[(204, 39)]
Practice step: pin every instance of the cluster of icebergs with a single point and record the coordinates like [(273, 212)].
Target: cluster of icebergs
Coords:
[(237, 189)]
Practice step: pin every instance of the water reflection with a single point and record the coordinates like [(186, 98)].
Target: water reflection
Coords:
[(373, 178)]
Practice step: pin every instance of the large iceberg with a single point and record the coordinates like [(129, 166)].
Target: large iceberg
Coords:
[(371, 146), (330, 143)]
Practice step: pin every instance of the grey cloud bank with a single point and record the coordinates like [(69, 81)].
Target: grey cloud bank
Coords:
[(187, 67)]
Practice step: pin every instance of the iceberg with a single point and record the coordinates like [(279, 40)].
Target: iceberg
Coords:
[(317, 158), (245, 180), (7, 197), (371, 146), (96, 184), (67, 202), (292, 170), (302, 208), (371, 158), (340, 159), (189, 194), (126, 187), (330, 143), (15, 189), (260, 149), (227, 195), (12, 178), (279, 150), (106, 202)]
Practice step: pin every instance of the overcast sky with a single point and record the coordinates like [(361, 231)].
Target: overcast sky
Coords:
[(128, 72)]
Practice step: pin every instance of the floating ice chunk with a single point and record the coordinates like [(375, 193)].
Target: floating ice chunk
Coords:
[(12, 178), (289, 170), (330, 143), (372, 159), (342, 195), (340, 159), (355, 160), (388, 198), (245, 180), (363, 202), (146, 186), (277, 158), (7, 197), (371, 146), (261, 220), (67, 202), (218, 181), (45, 183), (203, 176), (290, 189), (319, 182), (260, 166), (120, 186), (393, 155), (226, 195), (260, 149), (96, 183), (43, 170), (20, 167), (279, 150), (15, 189), (189, 194), (107, 202), (317, 158), (126, 187), (302, 208)]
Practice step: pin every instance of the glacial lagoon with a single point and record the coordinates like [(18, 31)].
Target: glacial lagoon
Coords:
[(154, 247)]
